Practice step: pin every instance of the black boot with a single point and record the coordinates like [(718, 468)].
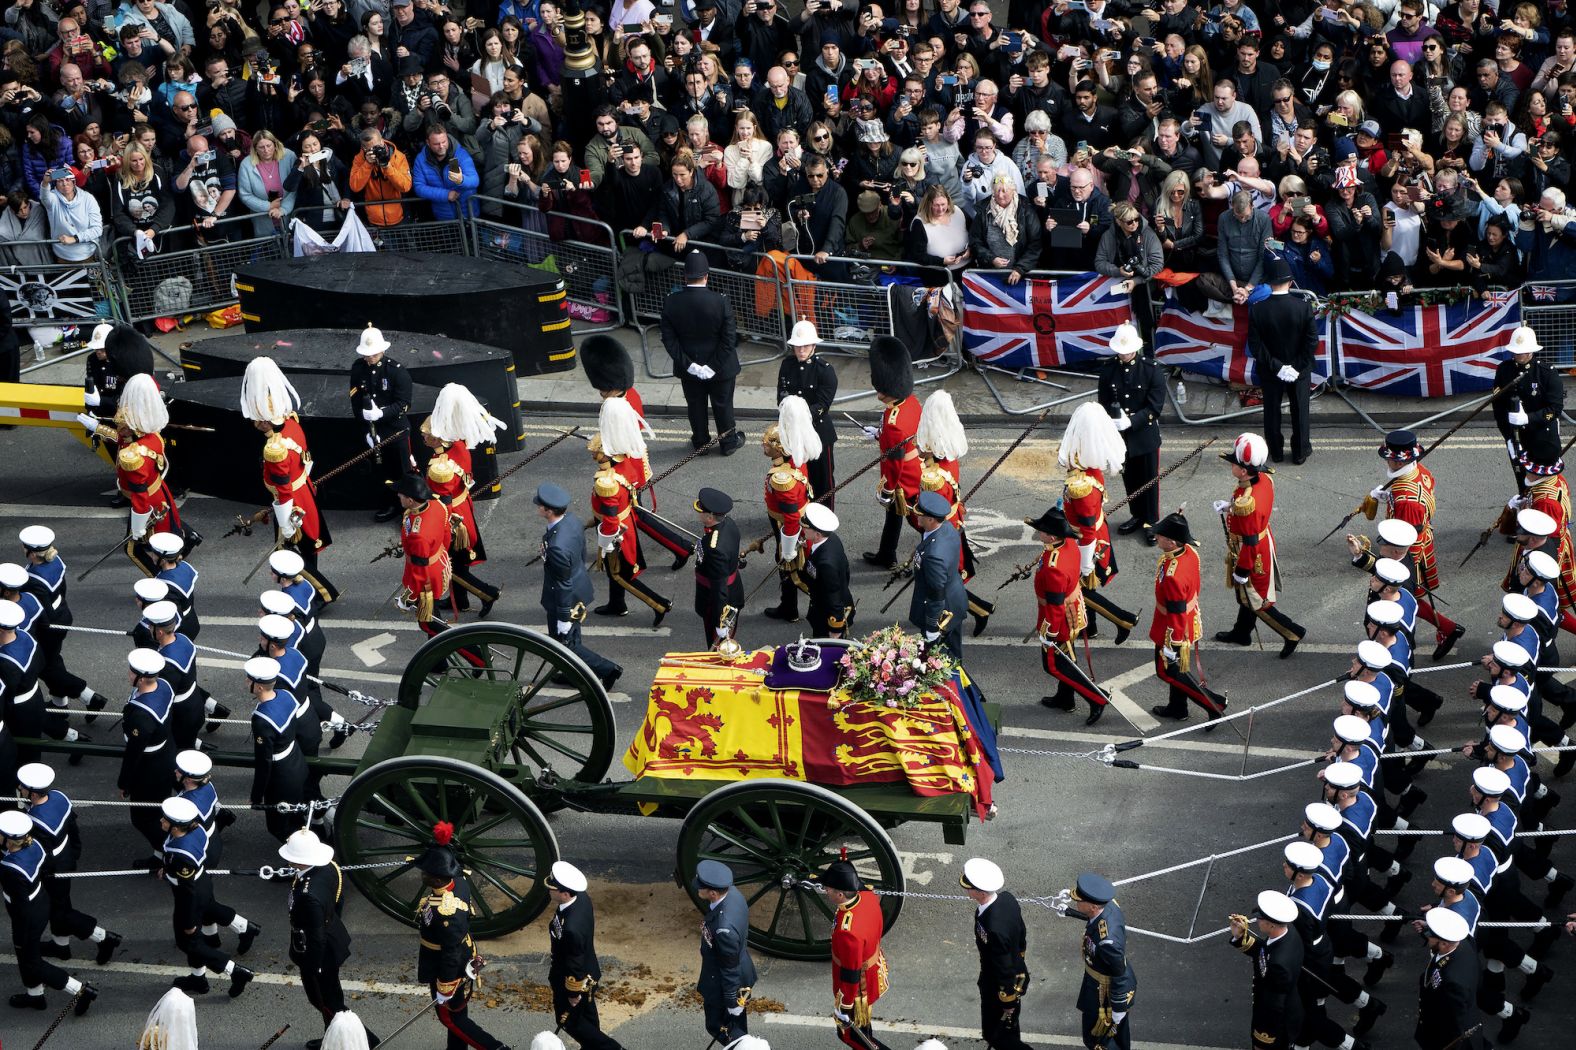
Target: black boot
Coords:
[(1241, 632), (1096, 712)]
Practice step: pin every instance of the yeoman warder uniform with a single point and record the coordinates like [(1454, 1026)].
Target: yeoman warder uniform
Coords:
[(1411, 498)]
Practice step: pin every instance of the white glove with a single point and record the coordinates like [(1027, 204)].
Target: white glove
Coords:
[(441, 998), (90, 397), (1287, 374), (871, 433), (1116, 1017), (735, 1011), (608, 544), (282, 516), (1517, 418), (1220, 506), (89, 423), (1517, 502), (1123, 422), (370, 442), (471, 969), (309, 466), (1085, 559), (139, 523), (710, 371), (931, 636), (1237, 578), (372, 415), (697, 370), (789, 545), (1169, 654), (883, 497), (844, 1018), (1380, 493), (563, 626)]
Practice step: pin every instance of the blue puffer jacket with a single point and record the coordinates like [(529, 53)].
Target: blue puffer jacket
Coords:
[(35, 164)]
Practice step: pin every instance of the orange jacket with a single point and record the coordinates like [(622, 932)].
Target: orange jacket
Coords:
[(389, 184)]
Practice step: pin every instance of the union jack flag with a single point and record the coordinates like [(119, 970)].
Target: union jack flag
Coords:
[(1218, 347), (1427, 351), (1543, 293), (1038, 323)]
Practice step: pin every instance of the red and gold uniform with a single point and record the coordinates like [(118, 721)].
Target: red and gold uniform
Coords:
[(425, 536), (140, 467), (859, 966), (787, 493), (1059, 598), (1177, 627), (1411, 497), (943, 476), (900, 473), (451, 480), (287, 469), (1083, 502), (1552, 495), (614, 503), (637, 472), (1250, 546)]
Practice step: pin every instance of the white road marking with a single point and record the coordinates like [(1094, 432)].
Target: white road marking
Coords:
[(954, 1032), (911, 866), (1134, 712), (1175, 743), (366, 650), (284, 979)]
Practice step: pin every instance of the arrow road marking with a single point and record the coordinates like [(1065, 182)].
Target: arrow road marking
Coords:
[(367, 649)]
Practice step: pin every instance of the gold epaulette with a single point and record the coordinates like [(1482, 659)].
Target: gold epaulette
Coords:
[(441, 469), (933, 478), (130, 457), (446, 903), (782, 479), (1078, 484), (274, 449), (1244, 504), (606, 484)]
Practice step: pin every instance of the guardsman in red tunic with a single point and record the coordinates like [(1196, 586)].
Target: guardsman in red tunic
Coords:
[(1250, 547), (618, 540), (1091, 450), (270, 402), (624, 445), (942, 445), (424, 535), (790, 444), (1410, 498), (859, 966), (892, 376), (612, 373), (1061, 614), (140, 466), (1177, 626), (457, 425)]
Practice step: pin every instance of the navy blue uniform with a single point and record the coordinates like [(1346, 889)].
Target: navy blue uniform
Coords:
[(147, 766), (726, 970), (279, 769), (1108, 985)]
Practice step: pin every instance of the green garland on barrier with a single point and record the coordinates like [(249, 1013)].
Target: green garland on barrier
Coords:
[(1340, 303)]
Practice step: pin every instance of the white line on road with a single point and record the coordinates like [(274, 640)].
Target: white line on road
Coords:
[(1175, 743), (953, 1032), (285, 979), (1134, 712)]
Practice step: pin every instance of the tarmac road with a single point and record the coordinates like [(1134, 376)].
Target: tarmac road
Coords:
[(1059, 815)]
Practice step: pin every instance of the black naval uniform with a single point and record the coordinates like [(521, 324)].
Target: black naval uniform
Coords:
[(22, 876), (831, 612), (55, 828), (387, 386), (319, 942), (1447, 995), (1001, 938), (1277, 969), (1139, 389), (1108, 985), (147, 766), (574, 974), (444, 925), (717, 581), (1540, 393), (814, 380), (279, 769)]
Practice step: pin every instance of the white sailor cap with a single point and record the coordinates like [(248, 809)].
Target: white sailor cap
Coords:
[(11, 615), (1447, 925), (1452, 871), (1507, 740), (566, 877), (37, 537), (179, 811), (1507, 698), (168, 544), (1303, 856), (1351, 729), (1373, 655), (286, 563), (1542, 565), (277, 602), (1391, 571), (35, 776), (1508, 654), (149, 590), (1470, 827), (1519, 607), (820, 517), (1535, 523), (1490, 781), (1386, 613), (1343, 775), (161, 613), (279, 628), (145, 661), (1321, 816), (1397, 533), (12, 576), (1277, 907), (15, 824), (983, 875), (193, 763), (262, 669), (1361, 694)]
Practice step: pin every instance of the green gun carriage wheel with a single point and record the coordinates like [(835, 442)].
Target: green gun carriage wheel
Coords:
[(776, 833), (501, 838)]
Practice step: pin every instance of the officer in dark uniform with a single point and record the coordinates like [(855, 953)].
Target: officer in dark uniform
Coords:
[(448, 961), (566, 587), (279, 771), (101, 380), (727, 973), (717, 583), (939, 602), (574, 971), (1276, 950), (805, 373), (23, 869), (699, 333), (55, 828), (380, 396), (1447, 991), (1002, 938), (1108, 985), (319, 942), (831, 612), (1132, 391), (147, 767), (1528, 406), (1284, 341), (198, 914)]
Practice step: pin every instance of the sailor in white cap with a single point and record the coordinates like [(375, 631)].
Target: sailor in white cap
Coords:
[(380, 392), (1002, 940), (1277, 952), (23, 712), (1489, 791), (312, 710), (279, 769), (319, 941), (147, 767), (194, 782), (55, 828), (1545, 528), (1394, 540), (1384, 622), (188, 699), (1447, 998), (1536, 575), (46, 580), (289, 572), (1315, 898), (145, 592), (574, 971), (23, 868), (198, 913), (170, 552), (831, 612), (806, 374)]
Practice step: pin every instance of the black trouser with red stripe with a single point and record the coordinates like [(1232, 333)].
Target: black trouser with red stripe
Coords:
[(1061, 663), (663, 535), (1185, 686), (463, 1032)]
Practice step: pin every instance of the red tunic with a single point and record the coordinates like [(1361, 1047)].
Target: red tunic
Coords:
[(1250, 551), (1552, 495), (1057, 593), (898, 423), (613, 503), (285, 462), (1177, 620), (1083, 501), (941, 476), (859, 967), (140, 466), (636, 471), (449, 476), (635, 402), (424, 535), (1412, 500), (787, 493)]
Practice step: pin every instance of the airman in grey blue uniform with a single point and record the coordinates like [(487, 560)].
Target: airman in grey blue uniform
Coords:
[(1108, 985), (727, 973), (566, 588), (940, 601)]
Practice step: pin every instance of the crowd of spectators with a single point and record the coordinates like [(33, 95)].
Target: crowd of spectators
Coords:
[(1381, 143)]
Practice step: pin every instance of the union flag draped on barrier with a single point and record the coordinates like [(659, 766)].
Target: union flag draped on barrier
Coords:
[(1040, 323), (1427, 351), (1218, 346)]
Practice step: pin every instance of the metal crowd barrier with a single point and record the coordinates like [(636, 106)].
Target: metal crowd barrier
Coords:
[(1549, 309), (202, 277), (419, 234), (49, 293), (577, 249)]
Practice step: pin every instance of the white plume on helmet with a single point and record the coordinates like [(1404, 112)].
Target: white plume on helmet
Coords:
[(171, 1024), (1092, 441), (142, 406), (458, 416), (940, 430), (620, 426), (345, 1032), (796, 430), (265, 392)]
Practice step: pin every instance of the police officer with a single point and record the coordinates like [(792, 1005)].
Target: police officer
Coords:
[(566, 588), (55, 828), (831, 612), (147, 766), (574, 971), (448, 961), (717, 584), (1108, 984), (23, 869), (804, 373), (198, 913), (727, 973), (279, 770), (1530, 399), (1132, 390), (1001, 938), (380, 392), (46, 579), (319, 941), (939, 602), (1276, 951)]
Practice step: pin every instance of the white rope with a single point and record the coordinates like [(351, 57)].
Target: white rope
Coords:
[(1241, 714), (1202, 860), (1517, 835), (1539, 925), (267, 871)]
